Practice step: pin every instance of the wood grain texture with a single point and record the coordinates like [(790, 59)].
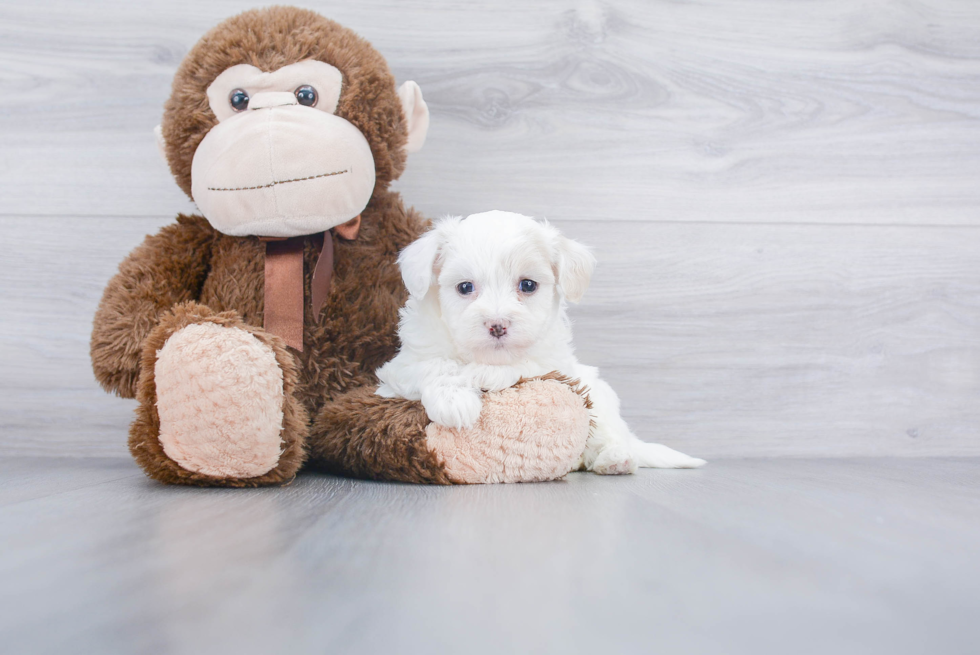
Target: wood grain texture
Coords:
[(828, 112), (722, 340), (760, 557), (783, 198)]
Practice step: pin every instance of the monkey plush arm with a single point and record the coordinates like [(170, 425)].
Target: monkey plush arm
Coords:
[(169, 267)]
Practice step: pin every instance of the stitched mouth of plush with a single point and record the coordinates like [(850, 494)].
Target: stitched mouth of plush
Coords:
[(277, 183)]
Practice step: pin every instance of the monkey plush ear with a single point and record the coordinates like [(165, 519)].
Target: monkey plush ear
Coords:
[(161, 142), (416, 115), (575, 266), (418, 261)]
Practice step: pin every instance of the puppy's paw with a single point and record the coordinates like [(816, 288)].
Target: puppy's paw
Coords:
[(654, 455), (615, 460), (452, 406)]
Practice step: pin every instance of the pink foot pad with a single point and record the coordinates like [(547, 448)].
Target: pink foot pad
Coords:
[(220, 401), (532, 432)]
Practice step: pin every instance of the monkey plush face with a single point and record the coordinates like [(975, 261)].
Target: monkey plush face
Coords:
[(283, 123), (280, 163)]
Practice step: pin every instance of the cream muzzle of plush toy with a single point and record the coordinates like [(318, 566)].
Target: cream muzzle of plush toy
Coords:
[(279, 168)]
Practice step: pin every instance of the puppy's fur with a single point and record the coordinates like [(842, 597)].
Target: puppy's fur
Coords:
[(487, 307)]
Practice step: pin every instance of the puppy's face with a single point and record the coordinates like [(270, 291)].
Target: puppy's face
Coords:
[(499, 280)]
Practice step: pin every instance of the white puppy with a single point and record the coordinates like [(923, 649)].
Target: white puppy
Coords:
[(487, 307)]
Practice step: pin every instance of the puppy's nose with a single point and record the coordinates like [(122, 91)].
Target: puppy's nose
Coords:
[(497, 330)]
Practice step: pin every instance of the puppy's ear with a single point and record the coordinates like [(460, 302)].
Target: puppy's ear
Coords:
[(417, 262), (575, 265)]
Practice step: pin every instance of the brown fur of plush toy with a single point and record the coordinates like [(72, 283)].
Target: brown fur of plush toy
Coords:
[(367, 436), (190, 273)]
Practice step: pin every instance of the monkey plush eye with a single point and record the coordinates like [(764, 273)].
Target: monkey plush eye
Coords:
[(238, 100), (306, 95), (529, 286), (464, 288)]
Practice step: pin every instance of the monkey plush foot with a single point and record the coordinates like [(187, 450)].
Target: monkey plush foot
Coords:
[(533, 431), (214, 409), (219, 396)]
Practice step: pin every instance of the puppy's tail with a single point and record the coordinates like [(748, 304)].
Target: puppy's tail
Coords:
[(658, 456)]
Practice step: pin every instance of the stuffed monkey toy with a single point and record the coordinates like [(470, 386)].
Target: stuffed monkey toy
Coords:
[(250, 334)]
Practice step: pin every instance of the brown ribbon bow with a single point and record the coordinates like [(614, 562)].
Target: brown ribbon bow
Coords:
[(284, 281)]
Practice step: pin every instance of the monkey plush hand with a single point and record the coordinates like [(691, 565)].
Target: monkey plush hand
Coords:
[(250, 334)]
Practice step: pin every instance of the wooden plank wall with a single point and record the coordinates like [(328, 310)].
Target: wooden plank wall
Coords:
[(783, 197)]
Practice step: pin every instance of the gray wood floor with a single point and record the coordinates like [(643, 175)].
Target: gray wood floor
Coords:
[(744, 556)]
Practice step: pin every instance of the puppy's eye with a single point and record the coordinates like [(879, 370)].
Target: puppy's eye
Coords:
[(306, 95), (464, 288), (529, 286), (238, 100)]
